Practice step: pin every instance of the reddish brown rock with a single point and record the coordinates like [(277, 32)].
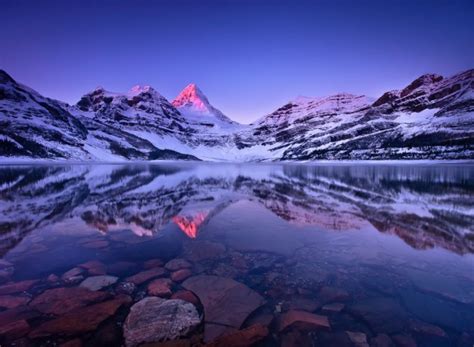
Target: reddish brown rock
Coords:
[(17, 313), (144, 276), (186, 295), (160, 287), (10, 301), (82, 320), (61, 300), (225, 301), (94, 267), (303, 320), (16, 287), (241, 338), (181, 275), (177, 264), (150, 264), (14, 330), (197, 251), (264, 319), (213, 331)]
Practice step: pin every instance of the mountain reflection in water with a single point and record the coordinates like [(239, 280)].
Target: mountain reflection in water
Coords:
[(380, 253)]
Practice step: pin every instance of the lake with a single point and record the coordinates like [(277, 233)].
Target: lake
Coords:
[(237, 254)]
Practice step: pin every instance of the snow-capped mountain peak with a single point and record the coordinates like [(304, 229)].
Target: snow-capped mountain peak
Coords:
[(195, 106), (139, 89)]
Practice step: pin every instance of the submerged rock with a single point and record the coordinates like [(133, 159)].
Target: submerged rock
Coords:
[(160, 287), (241, 338), (358, 339), (11, 301), (62, 300), (144, 276), (17, 287), (226, 302), (303, 320), (155, 320), (181, 275), (95, 283), (94, 267), (177, 264)]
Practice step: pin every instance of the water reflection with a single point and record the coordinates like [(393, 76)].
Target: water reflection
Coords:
[(426, 206)]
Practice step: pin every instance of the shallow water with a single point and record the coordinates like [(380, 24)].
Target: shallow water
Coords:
[(382, 251)]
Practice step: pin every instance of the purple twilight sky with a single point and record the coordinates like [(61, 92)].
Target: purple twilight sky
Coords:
[(248, 56)]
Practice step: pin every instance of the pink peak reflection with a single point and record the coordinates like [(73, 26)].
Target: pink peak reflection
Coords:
[(190, 226)]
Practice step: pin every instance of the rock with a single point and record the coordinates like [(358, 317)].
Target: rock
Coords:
[(381, 340), (241, 338), (198, 251), (109, 334), (146, 275), (154, 320), (181, 275), (17, 287), (95, 283), (14, 330), (334, 307), (61, 300), (384, 315), (160, 287), (424, 328), (264, 319), (331, 294), (94, 267), (358, 339), (404, 340), (72, 343), (177, 264), (186, 295), (296, 338), (303, 320), (82, 320), (125, 288), (225, 301), (10, 301), (71, 274), (213, 331), (18, 313), (149, 264)]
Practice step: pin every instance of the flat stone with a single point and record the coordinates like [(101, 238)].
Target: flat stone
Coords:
[(146, 275), (149, 264), (241, 338), (181, 275), (82, 320), (358, 339), (160, 287), (14, 330), (154, 320), (225, 301), (10, 301), (62, 300), (17, 287), (334, 307), (95, 283), (177, 264), (303, 320), (94, 267), (186, 295), (197, 251)]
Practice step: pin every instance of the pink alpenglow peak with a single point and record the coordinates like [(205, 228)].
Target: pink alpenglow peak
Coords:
[(195, 106)]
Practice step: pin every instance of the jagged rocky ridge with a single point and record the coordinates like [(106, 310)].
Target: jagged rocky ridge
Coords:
[(432, 118)]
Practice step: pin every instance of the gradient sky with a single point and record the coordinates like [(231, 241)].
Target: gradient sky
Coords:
[(248, 56)]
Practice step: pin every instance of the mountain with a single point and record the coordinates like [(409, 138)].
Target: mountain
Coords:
[(195, 106), (431, 118), (33, 126)]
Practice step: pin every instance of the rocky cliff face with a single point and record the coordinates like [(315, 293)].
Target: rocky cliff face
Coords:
[(431, 118)]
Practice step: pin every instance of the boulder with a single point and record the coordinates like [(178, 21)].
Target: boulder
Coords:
[(155, 320)]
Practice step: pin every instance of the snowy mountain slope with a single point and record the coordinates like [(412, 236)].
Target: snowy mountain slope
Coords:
[(431, 118), (32, 126)]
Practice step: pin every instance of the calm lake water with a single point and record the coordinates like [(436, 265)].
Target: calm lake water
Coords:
[(293, 255)]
